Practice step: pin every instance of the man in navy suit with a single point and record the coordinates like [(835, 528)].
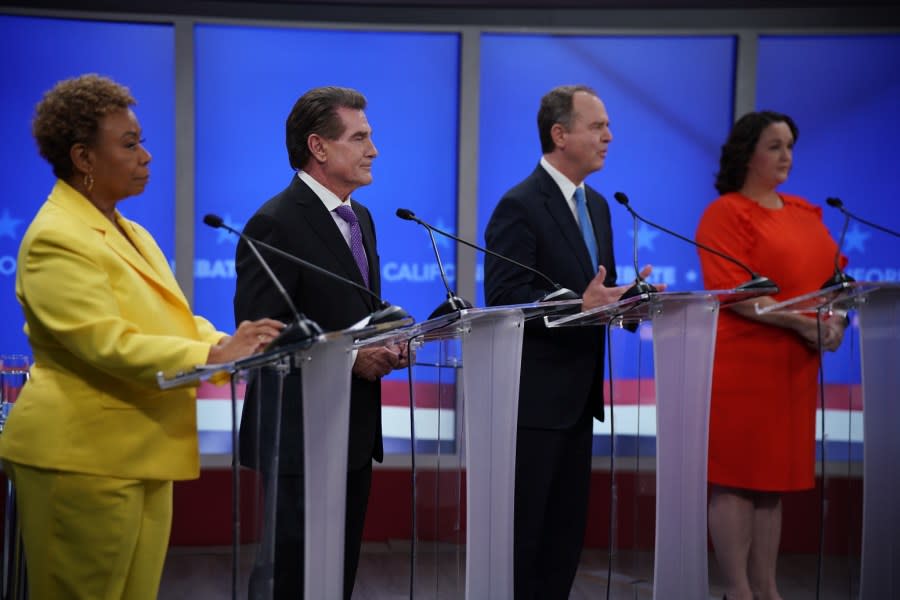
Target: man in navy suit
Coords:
[(555, 223), (329, 143)]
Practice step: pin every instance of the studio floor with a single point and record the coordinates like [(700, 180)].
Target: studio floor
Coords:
[(384, 574)]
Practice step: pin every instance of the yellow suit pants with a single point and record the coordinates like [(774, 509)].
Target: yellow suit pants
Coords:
[(92, 537)]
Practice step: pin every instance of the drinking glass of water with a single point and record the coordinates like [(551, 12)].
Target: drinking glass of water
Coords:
[(13, 375)]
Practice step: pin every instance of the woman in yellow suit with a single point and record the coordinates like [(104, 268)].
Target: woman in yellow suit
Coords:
[(92, 444)]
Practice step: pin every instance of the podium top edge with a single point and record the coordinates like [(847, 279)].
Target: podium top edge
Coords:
[(200, 373), (842, 296)]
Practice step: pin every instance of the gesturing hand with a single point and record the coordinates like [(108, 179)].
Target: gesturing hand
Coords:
[(597, 294)]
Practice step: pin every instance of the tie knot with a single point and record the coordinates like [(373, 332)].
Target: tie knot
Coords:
[(346, 213), (579, 195)]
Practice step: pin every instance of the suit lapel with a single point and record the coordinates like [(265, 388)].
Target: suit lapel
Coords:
[(156, 260), (327, 230), (142, 262), (562, 215)]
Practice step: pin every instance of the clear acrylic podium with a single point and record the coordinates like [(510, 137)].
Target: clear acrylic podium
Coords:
[(878, 307), (486, 356), (684, 335), (326, 363)]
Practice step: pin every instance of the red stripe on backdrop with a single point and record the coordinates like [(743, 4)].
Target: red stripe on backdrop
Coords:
[(394, 393), (428, 395), (211, 391), (628, 392)]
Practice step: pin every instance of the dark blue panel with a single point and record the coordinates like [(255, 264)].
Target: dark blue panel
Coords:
[(423, 447), (34, 55), (643, 446), (247, 81), (843, 92)]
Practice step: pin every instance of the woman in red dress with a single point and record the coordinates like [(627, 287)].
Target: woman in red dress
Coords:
[(762, 414)]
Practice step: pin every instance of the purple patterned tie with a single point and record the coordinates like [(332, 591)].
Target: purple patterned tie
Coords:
[(356, 244)]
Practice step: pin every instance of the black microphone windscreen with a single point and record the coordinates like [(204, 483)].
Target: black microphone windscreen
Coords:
[(835, 202), (621, 198), (213, 220), (405, 214)]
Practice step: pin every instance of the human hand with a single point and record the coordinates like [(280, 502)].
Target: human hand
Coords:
[(838, 325), (405, 355), (597, 294), (831, 332), (250, 337), (372, 363), (645, 273)]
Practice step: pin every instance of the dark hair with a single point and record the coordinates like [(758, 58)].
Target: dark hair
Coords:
[(556, 107), (741, 143), (70, 113), (316, 113)]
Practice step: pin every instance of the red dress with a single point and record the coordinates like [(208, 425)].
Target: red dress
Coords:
[(765, 378)]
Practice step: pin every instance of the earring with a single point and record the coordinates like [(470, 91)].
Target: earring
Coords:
[(88, 182)]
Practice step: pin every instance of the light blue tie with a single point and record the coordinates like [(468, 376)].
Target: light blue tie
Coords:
[(587, 232)]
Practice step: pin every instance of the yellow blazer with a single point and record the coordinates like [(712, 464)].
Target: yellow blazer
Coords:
[(102, 318)]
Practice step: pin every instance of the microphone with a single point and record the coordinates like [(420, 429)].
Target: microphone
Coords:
[(558, 293), (641, 286), (756, 281), (453, 302), (301, 329), (839, 277), (836, 203), (386, 312)]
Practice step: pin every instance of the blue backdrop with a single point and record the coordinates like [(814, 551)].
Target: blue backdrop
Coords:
[(247, 81), (843, 92), (669, 101), (34, 55)]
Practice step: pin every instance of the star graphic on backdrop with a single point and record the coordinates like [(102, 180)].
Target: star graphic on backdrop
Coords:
[(442, 241), (856, 239), (225, 235), (646, 235), (8, 225), (691, 276)]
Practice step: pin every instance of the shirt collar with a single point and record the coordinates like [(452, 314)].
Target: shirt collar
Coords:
[(565, 184), (328, 198)]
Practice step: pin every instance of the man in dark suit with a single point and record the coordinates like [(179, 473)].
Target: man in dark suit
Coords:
[(555, 223), (329, 144)]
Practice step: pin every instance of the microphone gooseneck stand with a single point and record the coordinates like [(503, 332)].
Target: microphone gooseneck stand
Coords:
[(839, 277), (558, 293), (641, 286), (838, 204), (756, 281), (301, 329), (453, 303), (385, 314)]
